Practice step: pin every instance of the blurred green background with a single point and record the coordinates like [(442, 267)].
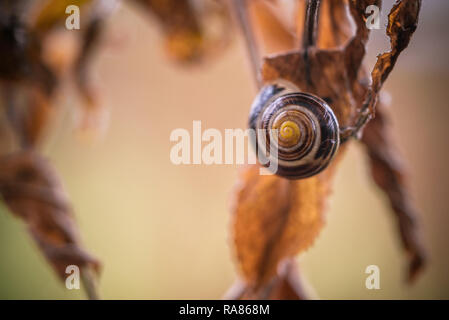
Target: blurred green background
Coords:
[(161, 230)]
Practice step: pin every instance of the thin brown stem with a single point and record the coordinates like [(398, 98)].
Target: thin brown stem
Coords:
[(90, 284), (240, 8), (309, 37)]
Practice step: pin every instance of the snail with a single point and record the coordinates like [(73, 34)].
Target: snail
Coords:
[(297, 130)]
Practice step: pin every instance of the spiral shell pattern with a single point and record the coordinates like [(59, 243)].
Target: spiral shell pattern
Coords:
[(299, 130)]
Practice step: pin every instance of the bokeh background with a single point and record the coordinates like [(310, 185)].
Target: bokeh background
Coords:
[(161, 230)]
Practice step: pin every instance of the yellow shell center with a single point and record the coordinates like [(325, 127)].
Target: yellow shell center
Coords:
[(290, 132)]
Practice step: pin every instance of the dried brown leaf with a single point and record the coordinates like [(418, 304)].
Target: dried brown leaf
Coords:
[(31, 190), (274, 219), (356, 48), (389, 174), (402, 23)]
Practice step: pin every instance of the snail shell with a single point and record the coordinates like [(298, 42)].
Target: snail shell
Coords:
[(300, 131)]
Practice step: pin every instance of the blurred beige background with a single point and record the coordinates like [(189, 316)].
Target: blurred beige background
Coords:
[(161, 230)]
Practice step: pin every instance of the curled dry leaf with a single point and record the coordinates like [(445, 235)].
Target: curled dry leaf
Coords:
[(31, 190), (356, 48), (388, 173), (402, 23)]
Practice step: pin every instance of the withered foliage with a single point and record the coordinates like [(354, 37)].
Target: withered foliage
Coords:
[(32, 191), (274, 219), (29, 186), (32, 70)]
